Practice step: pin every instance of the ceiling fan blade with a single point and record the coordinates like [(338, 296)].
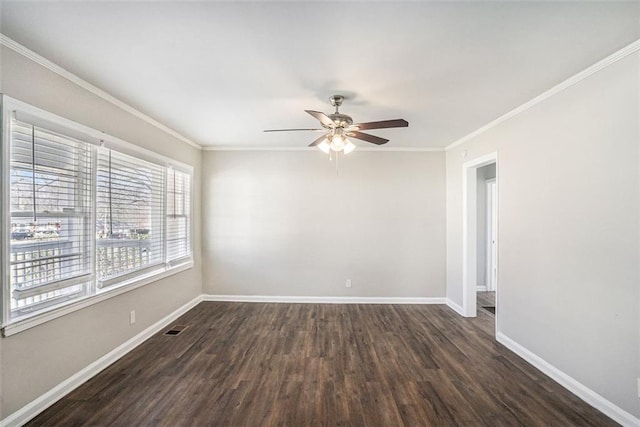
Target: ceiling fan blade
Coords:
[(369, 138), (324, 119), (290, 130), (318, 141), (397, 123)]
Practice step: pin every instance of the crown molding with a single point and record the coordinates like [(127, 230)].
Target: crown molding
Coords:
[(604, 63), (275, 148), (29, 54)]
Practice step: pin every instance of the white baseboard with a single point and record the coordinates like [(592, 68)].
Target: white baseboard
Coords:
[(482, 288), (30, 410), (616, 413), (325, 300), (455, 307)]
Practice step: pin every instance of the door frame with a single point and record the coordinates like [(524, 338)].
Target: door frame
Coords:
[(470, 232)]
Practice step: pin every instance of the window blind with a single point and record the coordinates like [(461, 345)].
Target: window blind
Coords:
[(130, 215), (50, 216), (82, 218), (178, 214)]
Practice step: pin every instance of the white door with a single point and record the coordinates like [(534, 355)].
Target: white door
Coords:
[(492, 235)]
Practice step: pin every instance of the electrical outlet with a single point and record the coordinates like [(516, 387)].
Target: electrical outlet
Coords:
[(132, 317), (348, 284)]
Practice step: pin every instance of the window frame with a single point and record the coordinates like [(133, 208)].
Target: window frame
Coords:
[(12, 108), (188, 217), (160, 191), (74, 177)]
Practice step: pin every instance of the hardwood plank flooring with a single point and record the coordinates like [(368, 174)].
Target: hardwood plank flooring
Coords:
[(486, 299), (246, 364)]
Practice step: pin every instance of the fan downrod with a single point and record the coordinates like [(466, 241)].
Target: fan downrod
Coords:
[(341, 120), (336, 101)]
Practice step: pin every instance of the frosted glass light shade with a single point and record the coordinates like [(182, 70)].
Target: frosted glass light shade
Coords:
[(337, 142), (324, 146), (349, 147)]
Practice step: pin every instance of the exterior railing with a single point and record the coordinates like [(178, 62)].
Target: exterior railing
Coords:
[(119, 256), (35, 262), (40, 268)]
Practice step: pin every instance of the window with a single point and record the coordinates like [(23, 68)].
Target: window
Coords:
[(178, 221), (83, 214), (50, 211), (129, 223)]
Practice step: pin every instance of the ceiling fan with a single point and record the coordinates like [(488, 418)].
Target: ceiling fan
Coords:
[(337, 127)]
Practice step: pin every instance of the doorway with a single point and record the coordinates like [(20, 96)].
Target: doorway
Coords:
[(491, 270), (487, 238), (480, 233)]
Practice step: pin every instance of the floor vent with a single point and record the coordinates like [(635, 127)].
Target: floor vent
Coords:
[(176, 330), (490, 309)]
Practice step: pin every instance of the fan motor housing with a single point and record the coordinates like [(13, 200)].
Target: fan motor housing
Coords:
[(342, 120)]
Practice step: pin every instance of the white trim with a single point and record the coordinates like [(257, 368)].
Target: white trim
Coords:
[(30, 410), (611, 59), (276, 148), (455, 307), (5, 185), (470, 233), (481, 161), (616, 413), (89, 134), (325, 300), (30, 322), (29, 54), (481, 288)]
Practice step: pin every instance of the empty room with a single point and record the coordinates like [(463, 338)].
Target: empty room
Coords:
[(355, 213)]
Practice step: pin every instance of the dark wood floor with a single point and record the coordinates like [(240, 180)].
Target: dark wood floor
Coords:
[(486, 299), (243, 364)]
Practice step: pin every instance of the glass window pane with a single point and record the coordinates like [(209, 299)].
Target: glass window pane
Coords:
[(178, 214), (50, 188), (129, 226)]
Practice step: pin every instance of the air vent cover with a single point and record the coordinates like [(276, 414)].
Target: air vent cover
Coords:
[(176, 330)]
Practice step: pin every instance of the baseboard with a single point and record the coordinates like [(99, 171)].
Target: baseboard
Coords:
[(481, 288), (325, 300), (455, 307), (30, 410), (614, 412)]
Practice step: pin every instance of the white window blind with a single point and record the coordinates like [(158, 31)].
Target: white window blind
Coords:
[(50, 217), (83, 220), (130, 215), (178, 215)]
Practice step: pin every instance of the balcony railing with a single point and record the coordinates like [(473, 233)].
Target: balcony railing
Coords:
[(120, 256), (45, 271)]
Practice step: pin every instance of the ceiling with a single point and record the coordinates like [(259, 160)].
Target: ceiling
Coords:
[(221, 72)]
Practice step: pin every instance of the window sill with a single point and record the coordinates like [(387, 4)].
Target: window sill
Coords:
[(23, 324)]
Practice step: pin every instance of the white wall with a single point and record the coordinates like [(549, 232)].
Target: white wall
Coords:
[(282, 223), (37, 359), (568, 237)]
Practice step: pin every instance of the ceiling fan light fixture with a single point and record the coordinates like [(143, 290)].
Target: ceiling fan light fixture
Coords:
[(338, 142), (349, 147), (339, 126), (324, 146)]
